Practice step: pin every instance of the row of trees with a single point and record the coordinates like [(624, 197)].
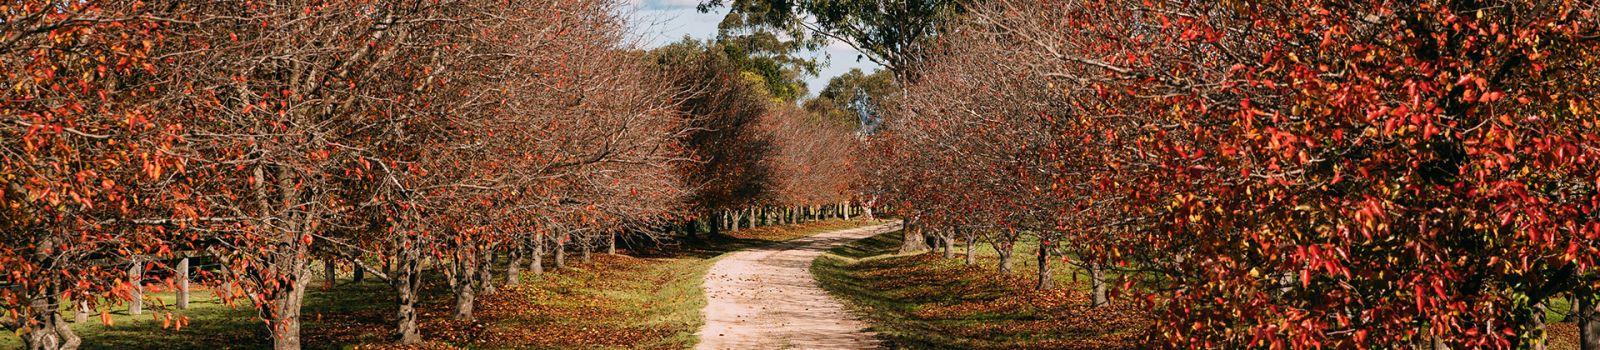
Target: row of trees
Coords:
[(1346, 174), (457, 136)]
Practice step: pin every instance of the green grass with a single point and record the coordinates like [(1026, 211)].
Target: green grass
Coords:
[(924, 301), (650, 301), (215, 325)]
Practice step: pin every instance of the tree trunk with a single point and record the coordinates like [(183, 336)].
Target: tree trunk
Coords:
[(514, 267), (537, 265), (1097, 276), (486, 272), (181, 297), (46, 330), (691, 229), (561, 255), (328, 274), (1045, 280), (1538, 326), (733, 225), (972, 251), (611, 246), (136, 280), (461, 282), (866, 208), (407, 280), (284, 319), (1005, 258), (465, 300), (360, 274), (714, 225), (914, 241), (948, 239), (1588, 316), (588, 249)]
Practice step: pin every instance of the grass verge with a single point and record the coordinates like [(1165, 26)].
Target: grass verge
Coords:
[(925, 301)]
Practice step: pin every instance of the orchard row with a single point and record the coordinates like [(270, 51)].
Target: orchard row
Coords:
[(1258, 174), (396, 136)]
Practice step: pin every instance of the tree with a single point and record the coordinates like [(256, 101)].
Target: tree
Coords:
[(1329, 175), (855, 99), (887, 33), (79, 146)]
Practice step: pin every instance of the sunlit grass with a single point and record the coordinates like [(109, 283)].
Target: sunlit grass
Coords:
[(924, 301)]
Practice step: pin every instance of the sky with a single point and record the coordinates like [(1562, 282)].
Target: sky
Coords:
[(661, 22)]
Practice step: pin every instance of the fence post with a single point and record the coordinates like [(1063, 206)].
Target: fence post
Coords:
[(182, 301), (136, 278)]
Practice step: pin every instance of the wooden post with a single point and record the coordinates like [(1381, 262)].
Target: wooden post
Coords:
[(82, 314), (136, 279), (182, 298)]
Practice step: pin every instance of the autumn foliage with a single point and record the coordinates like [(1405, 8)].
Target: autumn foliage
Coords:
[(470, 139), (1338, 174)]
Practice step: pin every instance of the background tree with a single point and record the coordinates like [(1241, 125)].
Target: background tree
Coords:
[(887, 33)]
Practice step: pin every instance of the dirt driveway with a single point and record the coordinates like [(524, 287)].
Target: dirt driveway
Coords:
[(766, 299)]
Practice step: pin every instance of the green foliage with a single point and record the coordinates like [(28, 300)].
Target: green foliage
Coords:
[(838, 101), (886, 32)]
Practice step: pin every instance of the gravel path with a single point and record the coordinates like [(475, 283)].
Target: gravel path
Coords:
[(766, 299)]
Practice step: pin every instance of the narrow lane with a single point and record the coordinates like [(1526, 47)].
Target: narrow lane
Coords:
[(766, 299)]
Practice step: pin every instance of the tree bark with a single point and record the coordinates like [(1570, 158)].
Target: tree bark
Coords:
[(284, 319), (560, 255), (514, 267), (972, 251), (1097, 275), (588, 250), (181, 299), (1045, 280), (714, 225), (328, 274), (691, 229), (406, 281), (1538, 326), (1588, 317), (948, 239), (537, 265), (611, 245), (486, 272), (360, 274), (465, 300), (733, 225), (461, 282), (1005, 258), (914, 240), (46, 330)]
